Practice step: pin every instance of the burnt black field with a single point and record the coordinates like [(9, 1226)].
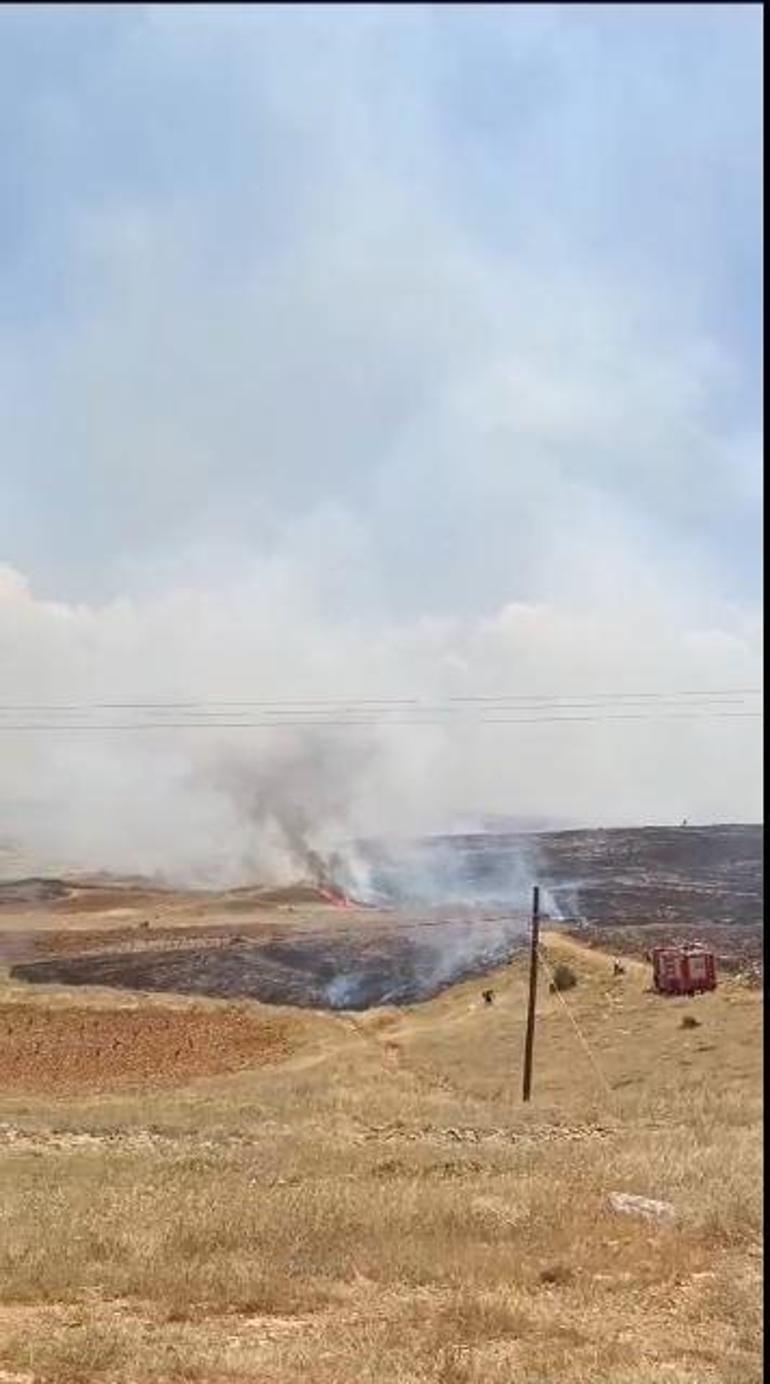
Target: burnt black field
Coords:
[(457, 908), (365, 966), (635, 876)]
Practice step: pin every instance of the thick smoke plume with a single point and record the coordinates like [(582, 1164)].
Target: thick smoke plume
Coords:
[(217, 805), (297, 800)]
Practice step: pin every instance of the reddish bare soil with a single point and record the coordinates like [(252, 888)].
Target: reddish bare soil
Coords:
[(68, 1050)]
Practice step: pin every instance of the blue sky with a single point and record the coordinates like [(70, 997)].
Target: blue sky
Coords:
[(208, 211), (421, 340)]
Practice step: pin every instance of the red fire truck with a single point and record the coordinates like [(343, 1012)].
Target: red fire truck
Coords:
[(683, 970)]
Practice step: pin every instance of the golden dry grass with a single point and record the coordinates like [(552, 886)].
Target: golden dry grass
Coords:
[(381, 1207)]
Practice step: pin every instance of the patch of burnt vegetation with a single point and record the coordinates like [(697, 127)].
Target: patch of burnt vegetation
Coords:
[(353, 972)]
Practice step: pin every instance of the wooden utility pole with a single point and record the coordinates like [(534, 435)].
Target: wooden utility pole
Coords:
[(530, 1036)]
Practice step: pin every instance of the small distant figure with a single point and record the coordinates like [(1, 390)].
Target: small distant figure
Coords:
[(488, 996), (618, 969), (684, 822)]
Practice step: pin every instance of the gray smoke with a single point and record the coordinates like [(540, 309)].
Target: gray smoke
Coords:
[(462, 907), (424, 955), (190, 804), (294, 799), (453, 872)]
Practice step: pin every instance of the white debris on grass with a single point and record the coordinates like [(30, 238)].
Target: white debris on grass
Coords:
[(628, 1204)]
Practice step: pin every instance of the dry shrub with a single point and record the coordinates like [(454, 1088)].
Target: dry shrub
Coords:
[(563, 977), (557, 1275), (472, 1318)]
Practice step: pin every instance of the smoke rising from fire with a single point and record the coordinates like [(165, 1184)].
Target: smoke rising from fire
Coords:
[(227, 806), (298, 796)]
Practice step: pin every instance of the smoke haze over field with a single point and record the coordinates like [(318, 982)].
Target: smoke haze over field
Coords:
[(393, 352), (228, 805)]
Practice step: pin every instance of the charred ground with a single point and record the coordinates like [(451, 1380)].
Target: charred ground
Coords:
[(622, 888)]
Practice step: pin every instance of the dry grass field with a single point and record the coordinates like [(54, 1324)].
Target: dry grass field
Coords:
[(201, 1190)]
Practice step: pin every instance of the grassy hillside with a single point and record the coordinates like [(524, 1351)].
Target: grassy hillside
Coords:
[(364, 1198)]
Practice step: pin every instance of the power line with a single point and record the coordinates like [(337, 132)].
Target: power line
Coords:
[(371, 724), (603, 1082), (292, 705), (688, 705), (279, 717), (394, 918), (512, 926)]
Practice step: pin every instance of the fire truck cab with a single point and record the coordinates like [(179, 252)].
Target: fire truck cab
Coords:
[(683, 970)]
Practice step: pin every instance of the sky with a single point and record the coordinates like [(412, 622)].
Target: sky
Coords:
[(379, 351)]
